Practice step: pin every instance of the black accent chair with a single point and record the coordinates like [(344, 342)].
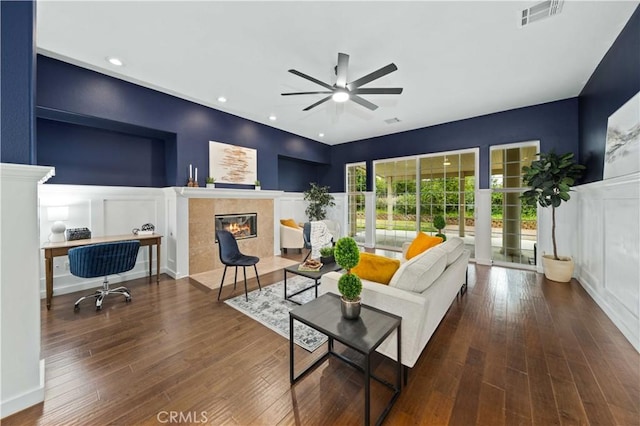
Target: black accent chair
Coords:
[(306, 236), (101, 260), (230, 256)]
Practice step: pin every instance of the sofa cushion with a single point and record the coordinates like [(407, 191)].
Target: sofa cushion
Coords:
[(376, 268), (454, 246), (420, 272), (290, 223), (421, 243)]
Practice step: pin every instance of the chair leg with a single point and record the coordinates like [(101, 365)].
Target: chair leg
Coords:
[(235, 278), (222, 282), (246, 295), (257, 276), (307, 256)]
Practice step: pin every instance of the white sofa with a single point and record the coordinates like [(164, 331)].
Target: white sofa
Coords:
[(420, 292)]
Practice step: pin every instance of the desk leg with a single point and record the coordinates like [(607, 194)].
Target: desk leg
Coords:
[(150, 261), (48, 262), (158, 262), (290, 346), (367, 390)]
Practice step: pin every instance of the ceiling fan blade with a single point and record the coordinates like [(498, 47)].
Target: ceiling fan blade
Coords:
[(365, 103), (321, 101), (372, 76), (305, 93), (341, 71), (308, 77), (379, 91)]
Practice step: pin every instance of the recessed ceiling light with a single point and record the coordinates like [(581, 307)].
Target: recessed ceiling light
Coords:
[(340, 96), (115, 61), (273, 117), (321, 135), (222, 99)]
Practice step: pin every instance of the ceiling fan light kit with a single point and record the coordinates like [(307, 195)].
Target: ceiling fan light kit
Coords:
[(342, 91)]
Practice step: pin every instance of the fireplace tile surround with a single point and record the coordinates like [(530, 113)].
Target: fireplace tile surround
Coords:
[(203, 250)]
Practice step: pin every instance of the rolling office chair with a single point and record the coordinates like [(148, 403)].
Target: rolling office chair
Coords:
[(101, 260), (230, 256)]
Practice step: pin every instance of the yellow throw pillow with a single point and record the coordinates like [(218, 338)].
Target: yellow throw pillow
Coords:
[(290, 223), (421, 244), (376, 268)]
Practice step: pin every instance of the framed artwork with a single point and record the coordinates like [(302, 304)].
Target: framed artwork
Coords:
[(622, 154), (232, 164)]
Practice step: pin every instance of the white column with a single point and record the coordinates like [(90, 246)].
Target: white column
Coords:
[(21, 369)]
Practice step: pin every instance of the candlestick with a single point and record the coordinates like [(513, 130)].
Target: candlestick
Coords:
[(196, 177), (190, 174)]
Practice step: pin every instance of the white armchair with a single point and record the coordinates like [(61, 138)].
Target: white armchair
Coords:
[(291, 238)]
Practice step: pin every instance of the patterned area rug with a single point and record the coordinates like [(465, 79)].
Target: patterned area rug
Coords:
[(269, 308)]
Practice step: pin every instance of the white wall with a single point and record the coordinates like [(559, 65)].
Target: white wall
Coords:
[(607, 238), (105, 210), (21, 370)]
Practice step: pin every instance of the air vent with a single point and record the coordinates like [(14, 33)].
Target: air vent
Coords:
[(392, 120), (540, 11)]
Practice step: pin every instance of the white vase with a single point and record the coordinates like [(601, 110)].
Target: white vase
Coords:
[(211, 185), (258, 188)]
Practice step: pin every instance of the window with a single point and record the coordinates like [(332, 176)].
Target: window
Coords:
[(356, 186)]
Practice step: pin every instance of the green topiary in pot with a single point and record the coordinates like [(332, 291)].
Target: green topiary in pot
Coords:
[(347, 255), (439, 223)]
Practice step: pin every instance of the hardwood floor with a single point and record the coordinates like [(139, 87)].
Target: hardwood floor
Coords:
[(515, 349)]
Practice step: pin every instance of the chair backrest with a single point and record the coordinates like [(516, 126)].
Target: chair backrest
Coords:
[(228, 247), (100, 260), (306, 235)]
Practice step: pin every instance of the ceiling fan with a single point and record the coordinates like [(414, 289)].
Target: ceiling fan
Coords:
[(342, 91)]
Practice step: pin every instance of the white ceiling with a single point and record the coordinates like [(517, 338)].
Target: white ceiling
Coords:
[(455, 59)]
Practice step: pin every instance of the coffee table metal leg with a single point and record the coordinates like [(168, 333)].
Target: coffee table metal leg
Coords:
[(367, 390), (285, 284)]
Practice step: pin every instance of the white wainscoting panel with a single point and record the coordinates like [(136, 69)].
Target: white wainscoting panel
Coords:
[(105, 210), (609, 259)]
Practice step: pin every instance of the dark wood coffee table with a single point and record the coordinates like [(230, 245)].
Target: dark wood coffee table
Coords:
[(364, 335), (314, 275)]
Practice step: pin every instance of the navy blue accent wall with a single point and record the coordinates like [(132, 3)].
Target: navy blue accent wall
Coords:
[(614, 82), (74, 90), (111, 158), (17, 83), (295, 175), (555, 124)]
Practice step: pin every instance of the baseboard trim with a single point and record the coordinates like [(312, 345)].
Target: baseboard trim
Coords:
[(25, 399)]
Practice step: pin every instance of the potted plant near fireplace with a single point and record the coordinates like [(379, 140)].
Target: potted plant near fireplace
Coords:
[(550, 179), (347, 255), (211, 182)]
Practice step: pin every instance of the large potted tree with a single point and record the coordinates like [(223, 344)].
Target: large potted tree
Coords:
[(550, 179), (319, 199)]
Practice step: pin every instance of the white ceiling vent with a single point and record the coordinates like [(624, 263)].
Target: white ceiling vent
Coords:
[(392, 120), (540, 11)]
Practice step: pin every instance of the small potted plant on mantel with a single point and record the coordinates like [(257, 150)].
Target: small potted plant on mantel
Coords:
[(257, 185), (550, 179), (211, 182), (347, 255)]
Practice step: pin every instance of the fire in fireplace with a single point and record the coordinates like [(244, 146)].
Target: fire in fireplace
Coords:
[(242, 226)]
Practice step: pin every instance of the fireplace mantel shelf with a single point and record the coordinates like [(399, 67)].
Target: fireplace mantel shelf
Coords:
[(188, 192)]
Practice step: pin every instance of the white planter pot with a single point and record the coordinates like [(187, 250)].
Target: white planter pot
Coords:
[(557, 270), (258, 188), (211, 185)]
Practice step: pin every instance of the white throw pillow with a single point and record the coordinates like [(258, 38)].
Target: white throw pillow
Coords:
[(454, 246), (418, 273)]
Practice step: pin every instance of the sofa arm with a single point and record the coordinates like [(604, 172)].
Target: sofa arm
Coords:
[(291, 237), (412, 307)]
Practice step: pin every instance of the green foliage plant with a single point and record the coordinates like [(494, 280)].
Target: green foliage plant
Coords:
[(550, 179), (210, 179), (326, 251), (319, 199), (257, 183), (347, 255), (439, 223)]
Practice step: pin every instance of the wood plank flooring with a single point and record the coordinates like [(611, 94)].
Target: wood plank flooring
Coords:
[(515, 349)]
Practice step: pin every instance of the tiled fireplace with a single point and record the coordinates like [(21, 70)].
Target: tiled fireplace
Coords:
[(207, 213)]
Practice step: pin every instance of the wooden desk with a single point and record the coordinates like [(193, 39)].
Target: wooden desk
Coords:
[(52, 250)]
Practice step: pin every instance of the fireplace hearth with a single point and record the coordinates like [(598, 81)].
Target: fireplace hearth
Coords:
[(241, 226)]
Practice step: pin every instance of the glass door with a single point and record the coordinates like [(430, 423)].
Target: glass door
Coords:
[(513, 224), (356, 187)]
